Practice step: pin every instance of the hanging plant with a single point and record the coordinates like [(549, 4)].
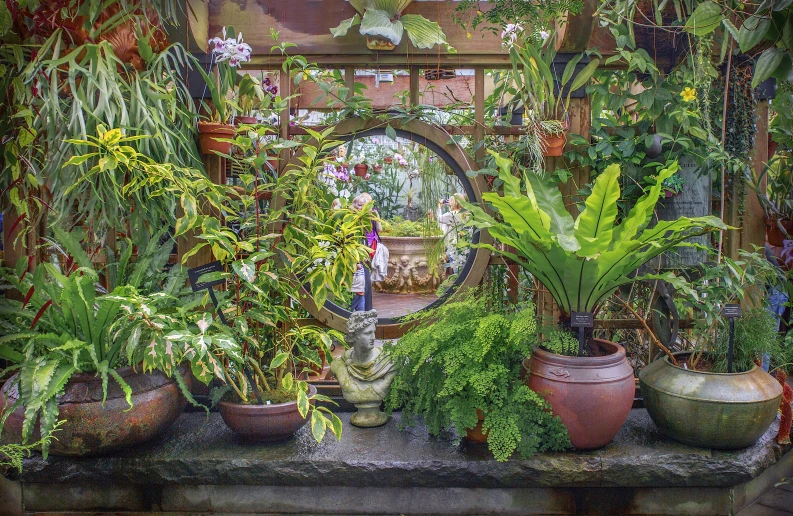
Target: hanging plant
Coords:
[(383, 24)]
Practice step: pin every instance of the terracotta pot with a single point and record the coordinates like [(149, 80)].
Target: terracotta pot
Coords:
[(377, 169), (388, 160), (773, 234), (361, 169), (209, 132), (711, 410), (475, 434), (94, 429), (264, 423), (553, 144), (592, 395), (245, 120)]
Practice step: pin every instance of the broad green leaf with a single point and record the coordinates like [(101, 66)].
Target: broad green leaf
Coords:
[(549, 200), (336, 426), (584, 75), (752, 32), (345, 26), (287, 382), (705, 19), (391, 132), (422, 32), (317, 425), (594, 226), (6, 21), (767, 64), (278, 360), (302, 403), (378, 23)]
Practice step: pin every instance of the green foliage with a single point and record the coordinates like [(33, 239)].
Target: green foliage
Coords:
[(561, 343), (12, 454), (581, 262), (463, 356), (534, 16), (755, 336), (64, 327), (399, 227), (776, 198), (384, 18)]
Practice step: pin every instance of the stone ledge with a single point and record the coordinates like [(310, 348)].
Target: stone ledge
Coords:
[(202, 451)]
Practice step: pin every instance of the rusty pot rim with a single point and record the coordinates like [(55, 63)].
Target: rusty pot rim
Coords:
[(253, 409), (615, 357)]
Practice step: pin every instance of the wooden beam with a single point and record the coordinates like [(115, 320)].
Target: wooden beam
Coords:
[(753, 229), (285, 89), (479, 112)]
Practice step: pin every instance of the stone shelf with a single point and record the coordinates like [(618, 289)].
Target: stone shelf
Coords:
[(201, 452)]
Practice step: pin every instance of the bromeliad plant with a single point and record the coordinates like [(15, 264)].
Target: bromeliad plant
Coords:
[(464, 358), (309, 248), (581, 262), (384, 24)]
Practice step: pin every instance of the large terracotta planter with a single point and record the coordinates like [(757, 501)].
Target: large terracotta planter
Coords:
[(408, 259), (264, 423), (94, 429), (711, 410), (209, 133), (592, 395)]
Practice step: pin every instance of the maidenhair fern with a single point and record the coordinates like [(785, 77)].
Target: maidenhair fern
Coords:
[(463, 357)]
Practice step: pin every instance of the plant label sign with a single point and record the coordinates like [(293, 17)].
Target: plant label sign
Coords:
[(196, 272), (731, 311), (582, 320)]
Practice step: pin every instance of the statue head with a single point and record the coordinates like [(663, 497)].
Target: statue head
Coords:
[(361, 329), (405, 260)]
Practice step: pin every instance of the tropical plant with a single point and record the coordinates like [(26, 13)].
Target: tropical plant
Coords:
[(308, 244), (463, 358), (114, 186), (250, 94), (12, 454), (63, 327), (743, 280), (227, 53), (384, 19), (674, 183), (581, 262), (399, 227), (535, 16), (537, 85), (776, 198)]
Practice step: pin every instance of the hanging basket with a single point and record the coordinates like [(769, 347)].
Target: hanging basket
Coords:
[(553, 144)]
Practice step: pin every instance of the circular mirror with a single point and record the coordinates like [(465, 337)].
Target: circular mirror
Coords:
[(415, 182)]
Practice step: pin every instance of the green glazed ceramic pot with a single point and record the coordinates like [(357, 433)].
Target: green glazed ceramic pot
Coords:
[(711, 410)]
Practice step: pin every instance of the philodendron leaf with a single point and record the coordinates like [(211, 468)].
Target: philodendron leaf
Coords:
[(345, 26), (422, 32), (378, 23)]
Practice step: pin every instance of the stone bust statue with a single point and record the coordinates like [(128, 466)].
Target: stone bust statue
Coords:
[(364, 372)]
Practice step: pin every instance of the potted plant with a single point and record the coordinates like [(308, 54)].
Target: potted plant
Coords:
[(249, 95), (383, 24), (459, 369), (707, 396), (535, 86), (582, 263), (411, 244), (265, 397), (112, 390), (673, 185), (777, 197), (227, 53)]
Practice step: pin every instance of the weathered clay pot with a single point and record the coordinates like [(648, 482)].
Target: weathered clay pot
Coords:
[(475, 434), (245, 120), (592, 395), (94, 429), (773, 234), (553, 144), (264, 423), (414, 249), (711, 410), (208, 134), (361, 169)]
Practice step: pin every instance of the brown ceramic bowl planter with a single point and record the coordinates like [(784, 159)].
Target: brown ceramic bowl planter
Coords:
[(94, 428), (210, 132), (264, 423), (592, 395)]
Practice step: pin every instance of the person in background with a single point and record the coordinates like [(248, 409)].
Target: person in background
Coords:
[(451, 223), (372, 238)]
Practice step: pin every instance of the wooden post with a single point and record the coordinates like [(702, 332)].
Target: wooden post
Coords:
[(349, 79), (215, 167), (479, 111), (753, 227), (414, 86), (285, 88)]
